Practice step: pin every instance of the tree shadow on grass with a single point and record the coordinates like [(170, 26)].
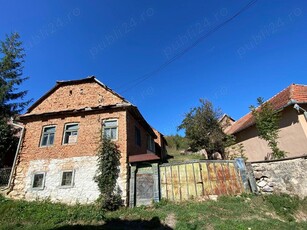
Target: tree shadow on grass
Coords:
[(117, 223)]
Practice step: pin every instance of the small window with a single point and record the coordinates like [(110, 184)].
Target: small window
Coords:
[(110, 129), (150, 143), (67, 179), (38, 181), (48, 136), (70, 133), (138, 136)]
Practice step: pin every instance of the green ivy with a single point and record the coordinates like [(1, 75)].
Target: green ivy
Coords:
[(107, 174)]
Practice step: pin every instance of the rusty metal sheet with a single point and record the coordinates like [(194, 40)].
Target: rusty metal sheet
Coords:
[(183, 181), (191, 181), (206, 181), (163, 182)]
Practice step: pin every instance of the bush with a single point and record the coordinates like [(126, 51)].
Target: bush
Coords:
[(111, 202)]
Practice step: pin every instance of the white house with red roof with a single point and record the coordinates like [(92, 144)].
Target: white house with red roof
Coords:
[(292, 104)]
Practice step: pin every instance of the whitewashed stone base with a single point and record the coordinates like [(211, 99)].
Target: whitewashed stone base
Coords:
[(84, 189)]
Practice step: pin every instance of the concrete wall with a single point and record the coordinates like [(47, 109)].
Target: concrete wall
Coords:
[(287, 176), (292, 137)]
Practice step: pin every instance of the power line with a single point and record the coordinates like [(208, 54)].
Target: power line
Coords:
[(180, 54)]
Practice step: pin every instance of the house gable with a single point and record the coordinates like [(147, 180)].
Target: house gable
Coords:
[(76, 94)]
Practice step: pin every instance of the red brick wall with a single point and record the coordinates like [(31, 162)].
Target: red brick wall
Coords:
[(133, 148), (160, 145), (77, 96)]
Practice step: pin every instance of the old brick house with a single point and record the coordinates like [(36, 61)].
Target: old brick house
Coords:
[(57, 159)]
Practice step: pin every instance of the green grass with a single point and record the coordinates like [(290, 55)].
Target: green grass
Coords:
[(178, 157), (247, 211)]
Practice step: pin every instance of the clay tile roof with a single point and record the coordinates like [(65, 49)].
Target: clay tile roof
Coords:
[(143, 157), (292, 94)]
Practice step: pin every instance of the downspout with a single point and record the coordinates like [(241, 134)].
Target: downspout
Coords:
[(16, 154)]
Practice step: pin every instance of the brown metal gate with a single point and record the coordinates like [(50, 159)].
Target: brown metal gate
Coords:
[(186, 180)]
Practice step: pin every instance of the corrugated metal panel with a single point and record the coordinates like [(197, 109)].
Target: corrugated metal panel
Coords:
[(183, 181)]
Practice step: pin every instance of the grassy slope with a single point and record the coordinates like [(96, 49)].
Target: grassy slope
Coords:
[(180, 157), (255, 212)]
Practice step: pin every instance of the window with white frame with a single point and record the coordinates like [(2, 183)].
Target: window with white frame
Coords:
[(150, 143), (38, 180), (67, 178), (48, 134), (70, 133), (110, 129)]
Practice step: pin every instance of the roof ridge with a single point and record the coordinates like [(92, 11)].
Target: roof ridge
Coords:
[(299, 84), (288, 87), (246, 120)]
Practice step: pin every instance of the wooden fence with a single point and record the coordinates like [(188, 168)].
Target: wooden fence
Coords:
[(186, 180)]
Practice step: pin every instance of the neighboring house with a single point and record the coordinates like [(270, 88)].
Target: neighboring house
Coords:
[(226, 122), (293, 126), (58, 159)]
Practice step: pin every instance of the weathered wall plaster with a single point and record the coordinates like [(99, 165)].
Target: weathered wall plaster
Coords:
[(84, 189)]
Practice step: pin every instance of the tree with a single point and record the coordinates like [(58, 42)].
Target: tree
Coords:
[(203, 129), (107, 174), (233, 149), (176, 142), (8, 141), (267, 124), (11, 98), (11, 76)]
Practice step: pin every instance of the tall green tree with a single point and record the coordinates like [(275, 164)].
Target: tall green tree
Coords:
[(107, 174), (203, 129), (11, 98), (267, 124), (11, 76)]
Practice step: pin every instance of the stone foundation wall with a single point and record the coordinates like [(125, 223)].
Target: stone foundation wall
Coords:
[(287, 176)]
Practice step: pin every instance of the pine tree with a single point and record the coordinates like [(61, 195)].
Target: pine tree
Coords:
[(11, 76), (11, 98), (107, 174)]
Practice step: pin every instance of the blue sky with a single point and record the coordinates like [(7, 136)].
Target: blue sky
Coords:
[(258, 54)]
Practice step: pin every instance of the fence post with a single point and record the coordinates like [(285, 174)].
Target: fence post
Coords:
[(132, 186), (251, 177), (155, 169)]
